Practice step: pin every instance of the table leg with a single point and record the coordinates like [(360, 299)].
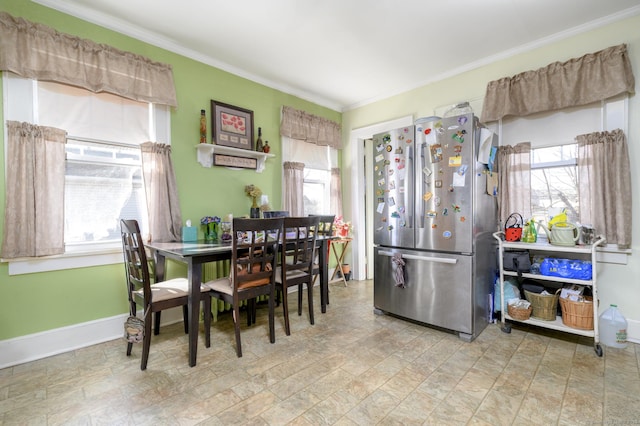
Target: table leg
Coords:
[(340, 259), (323, 259), (194, 275)]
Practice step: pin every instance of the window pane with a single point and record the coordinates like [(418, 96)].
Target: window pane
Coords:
[(554, 187), (315, 190), (103, 184)]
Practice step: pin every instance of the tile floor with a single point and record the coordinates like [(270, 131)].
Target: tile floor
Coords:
[(351, 368)]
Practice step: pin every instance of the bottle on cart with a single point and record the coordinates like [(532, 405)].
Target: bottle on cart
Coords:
[(529, 233), (259, 144), (613, 328)]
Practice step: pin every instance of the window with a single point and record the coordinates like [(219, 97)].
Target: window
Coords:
[(318, 161), (316, 191), (103, 168), (554, 182)]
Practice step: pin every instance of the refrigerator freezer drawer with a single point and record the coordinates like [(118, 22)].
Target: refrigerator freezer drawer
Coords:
[(437, 288)]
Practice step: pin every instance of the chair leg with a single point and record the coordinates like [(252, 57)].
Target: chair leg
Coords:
[(299, 299), (129, 347), (207, 321), (236, 323), (285, 308), (156, 324), (272, 320), (310, 301), (146, 341)]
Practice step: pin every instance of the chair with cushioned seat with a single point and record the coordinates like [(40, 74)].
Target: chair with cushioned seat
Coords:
[(324, 229), (253, 267), (296, 263), (156, 297)]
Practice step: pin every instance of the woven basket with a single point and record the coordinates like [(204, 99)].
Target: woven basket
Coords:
[(577, 314), (520, 314), (545, 306)]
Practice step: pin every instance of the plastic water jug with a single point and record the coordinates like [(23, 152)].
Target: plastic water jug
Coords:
[(613, 328)]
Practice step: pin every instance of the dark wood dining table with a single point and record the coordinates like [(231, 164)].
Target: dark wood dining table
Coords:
[(195, 254)]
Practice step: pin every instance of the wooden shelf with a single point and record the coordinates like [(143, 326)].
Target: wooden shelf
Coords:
[(206, 151)]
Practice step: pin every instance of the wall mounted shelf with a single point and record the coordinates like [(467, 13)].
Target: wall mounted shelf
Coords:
[(206, 151)]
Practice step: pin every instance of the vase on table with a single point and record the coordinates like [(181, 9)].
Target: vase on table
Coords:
[(254, 212), (211, 232)]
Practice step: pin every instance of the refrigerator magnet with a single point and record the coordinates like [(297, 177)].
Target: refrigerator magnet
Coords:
[(390, 172), (457, 149), (427, 171), (455, 161), (380, 208), (463, 169), (427, 196), (392, 201), (437, 201), (445, 212), (447, 235), (386, 138), (436, 153), (379, 158), (381, 182), (432, 214), (379, 147), (438, 184), (456, 208), (389, 148), (458, 180), (395, 215), (462, 120), (399, 150)]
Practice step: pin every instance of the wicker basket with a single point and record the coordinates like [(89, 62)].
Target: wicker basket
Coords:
[(545, 306), (520, 314), (577, 314)]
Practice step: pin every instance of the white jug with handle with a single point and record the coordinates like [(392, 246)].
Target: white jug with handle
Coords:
[(562, 233)]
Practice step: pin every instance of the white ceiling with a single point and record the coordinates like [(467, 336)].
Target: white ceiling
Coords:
[(347, 53)]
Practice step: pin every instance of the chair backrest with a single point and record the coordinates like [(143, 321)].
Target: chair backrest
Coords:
[(325, 224), (255, 252), (135, 260), (300, 243), (267, 214)]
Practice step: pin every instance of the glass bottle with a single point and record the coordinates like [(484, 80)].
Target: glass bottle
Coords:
[(203, 126), (266, 147), (259, 145)]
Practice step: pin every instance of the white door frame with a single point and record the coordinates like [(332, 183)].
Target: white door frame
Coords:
[(358, 209)]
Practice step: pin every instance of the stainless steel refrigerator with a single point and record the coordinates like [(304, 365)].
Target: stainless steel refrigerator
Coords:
[(435, 257)]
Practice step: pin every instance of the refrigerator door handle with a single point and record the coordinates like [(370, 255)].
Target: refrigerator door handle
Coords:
[(425, 258), (409, 200), (421, 190)]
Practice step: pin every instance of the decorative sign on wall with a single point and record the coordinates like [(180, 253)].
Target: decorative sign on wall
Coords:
[(232, 161)]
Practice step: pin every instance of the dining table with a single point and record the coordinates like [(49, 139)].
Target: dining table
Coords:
[(195, 254)]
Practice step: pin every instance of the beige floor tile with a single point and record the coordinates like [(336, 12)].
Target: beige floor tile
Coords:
[(352, 367)]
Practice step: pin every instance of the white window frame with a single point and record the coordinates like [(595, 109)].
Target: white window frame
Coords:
[(24, 107)]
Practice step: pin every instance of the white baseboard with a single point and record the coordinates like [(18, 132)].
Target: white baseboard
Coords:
[(48, 343), (60, 340)]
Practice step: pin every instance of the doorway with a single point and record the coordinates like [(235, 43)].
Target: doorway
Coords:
[(362, 185)]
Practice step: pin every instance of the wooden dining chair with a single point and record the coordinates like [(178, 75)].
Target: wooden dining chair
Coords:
[(296, 263), (324, 229), (253, 268), (267, 214), (156, 297)]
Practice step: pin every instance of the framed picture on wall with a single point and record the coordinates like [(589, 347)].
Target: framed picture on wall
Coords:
[(232, 126)]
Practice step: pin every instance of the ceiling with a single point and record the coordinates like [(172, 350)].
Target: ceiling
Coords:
[(346, 53)]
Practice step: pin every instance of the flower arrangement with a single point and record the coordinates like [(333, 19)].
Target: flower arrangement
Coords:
[(254, 192), (340, 227), (211, 227)]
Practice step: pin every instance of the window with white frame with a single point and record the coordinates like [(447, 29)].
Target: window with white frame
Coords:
[(103, 180), (554, 174), (318, 161)]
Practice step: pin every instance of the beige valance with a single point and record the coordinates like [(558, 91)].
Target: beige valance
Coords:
[(39, 52), (310, 128), (579, 81)]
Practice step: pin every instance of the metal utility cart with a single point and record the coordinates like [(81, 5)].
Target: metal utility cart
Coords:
[(577, 251)]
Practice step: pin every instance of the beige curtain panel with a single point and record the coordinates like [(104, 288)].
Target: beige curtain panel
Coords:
[(310, 128), (579, 81), (163, 203), (39, 52), (34, 215), (514, 181), (605, 185), (293, 181)]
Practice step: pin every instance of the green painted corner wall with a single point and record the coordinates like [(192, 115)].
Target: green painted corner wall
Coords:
[(33, 303)]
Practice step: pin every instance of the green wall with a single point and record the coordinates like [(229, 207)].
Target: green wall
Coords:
[(38, 302)]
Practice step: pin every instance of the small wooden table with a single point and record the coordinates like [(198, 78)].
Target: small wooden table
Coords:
[(343, 242)]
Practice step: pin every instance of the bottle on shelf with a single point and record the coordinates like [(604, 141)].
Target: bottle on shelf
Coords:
[(259, 144), (529, 233), (203, 126), (266, 147)]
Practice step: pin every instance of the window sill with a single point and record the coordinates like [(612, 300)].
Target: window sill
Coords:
[(64, 261)]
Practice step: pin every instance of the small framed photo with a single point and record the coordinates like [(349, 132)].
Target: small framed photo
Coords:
[(232, 126)]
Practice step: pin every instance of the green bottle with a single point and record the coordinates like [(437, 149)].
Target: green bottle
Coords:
[(529, 233)]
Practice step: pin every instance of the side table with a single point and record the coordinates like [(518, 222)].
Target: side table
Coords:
[(339, 253)]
